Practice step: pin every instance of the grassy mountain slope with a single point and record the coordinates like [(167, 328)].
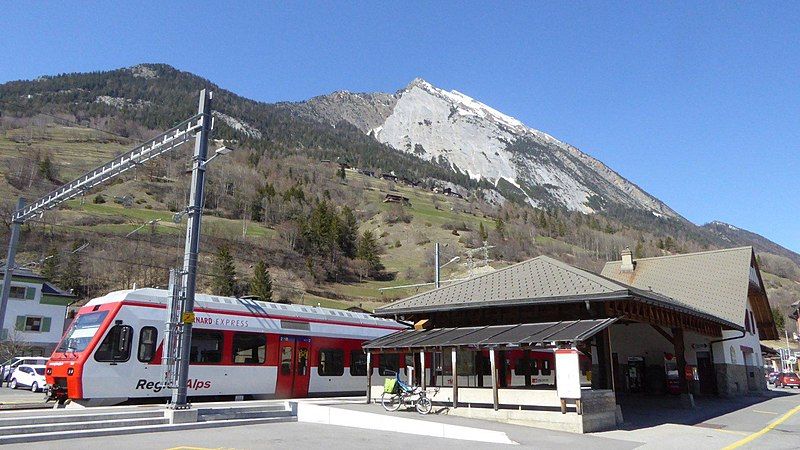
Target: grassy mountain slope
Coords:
[(260, 198)]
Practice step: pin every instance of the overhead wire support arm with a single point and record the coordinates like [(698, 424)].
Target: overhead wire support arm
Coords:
[(157, 146)]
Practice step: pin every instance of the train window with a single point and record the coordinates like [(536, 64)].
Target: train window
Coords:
[(521, 368), (302, 361), (534, 367), (116, 347), (147, 344), (358, 363), (465, 362), (286, 360), (389, 364), (249, 348), (483, 366), (331, 363), (546, 367), (206, 347)]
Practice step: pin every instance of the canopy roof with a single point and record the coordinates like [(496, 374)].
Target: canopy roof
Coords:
[(526, 334)]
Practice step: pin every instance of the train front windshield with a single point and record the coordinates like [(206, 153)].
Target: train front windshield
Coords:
[(82, 331)]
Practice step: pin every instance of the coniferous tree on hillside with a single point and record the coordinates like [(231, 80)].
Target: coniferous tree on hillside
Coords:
[(348, 237), (368, 250), (224, 273), (261, 285)]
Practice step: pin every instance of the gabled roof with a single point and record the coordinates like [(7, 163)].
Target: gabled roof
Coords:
[(715, 282), (48, 288), (538, 278), (541, 280)]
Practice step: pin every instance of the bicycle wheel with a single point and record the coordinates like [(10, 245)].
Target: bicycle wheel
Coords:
[(391, 402), (424, 405)]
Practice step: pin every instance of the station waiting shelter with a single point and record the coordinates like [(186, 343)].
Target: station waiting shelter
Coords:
[(490, 343)]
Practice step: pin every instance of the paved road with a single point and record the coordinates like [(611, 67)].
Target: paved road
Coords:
[(715, 424), (21, 395)]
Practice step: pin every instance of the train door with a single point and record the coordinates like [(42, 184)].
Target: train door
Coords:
[(293, 372)]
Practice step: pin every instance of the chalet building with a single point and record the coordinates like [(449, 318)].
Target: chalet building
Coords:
[(36, 312), (389, 177), (542, 335), (725, 283), (394, 198)]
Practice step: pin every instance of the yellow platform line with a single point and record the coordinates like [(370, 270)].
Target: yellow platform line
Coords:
[(764, 430)]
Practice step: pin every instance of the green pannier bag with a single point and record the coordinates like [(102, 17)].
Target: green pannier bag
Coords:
[(390, 385)]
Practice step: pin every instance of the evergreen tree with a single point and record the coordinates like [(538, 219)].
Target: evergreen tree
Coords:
[(482, 233), (224, 273), (638, 252), (72, 275), (348, 236), (368, 251), (50, 265), (262, 282), (341, 173)]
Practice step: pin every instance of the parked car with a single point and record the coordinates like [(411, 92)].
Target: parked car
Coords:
[(9, 366), (28, 375), (789, 379), (772, 377)]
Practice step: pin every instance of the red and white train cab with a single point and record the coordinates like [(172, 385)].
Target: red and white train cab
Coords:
[(112, 351)]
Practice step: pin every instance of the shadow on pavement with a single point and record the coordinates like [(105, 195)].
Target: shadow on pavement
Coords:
[(645, 411)]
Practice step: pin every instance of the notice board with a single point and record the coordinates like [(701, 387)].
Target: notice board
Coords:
[(568, 374)]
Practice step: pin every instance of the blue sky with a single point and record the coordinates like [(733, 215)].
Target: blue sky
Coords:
[(697, 103)]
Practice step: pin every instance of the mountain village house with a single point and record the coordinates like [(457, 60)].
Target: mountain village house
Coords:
[(675, 326), (36, 313)]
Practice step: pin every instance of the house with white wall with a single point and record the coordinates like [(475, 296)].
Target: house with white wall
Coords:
[(725, 283), (36, 312)]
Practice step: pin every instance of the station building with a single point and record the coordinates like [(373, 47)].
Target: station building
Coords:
[(676, 326)]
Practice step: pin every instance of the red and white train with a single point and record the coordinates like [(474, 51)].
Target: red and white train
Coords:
[(112, 351)]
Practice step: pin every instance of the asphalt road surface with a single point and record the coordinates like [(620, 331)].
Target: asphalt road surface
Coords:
[(749, 422)]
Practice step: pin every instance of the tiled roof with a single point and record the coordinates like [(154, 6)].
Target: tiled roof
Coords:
[(715, 282), (538, 278)]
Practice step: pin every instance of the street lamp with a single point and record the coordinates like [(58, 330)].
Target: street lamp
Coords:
[(224, 150), (151, 222), (455, 258)]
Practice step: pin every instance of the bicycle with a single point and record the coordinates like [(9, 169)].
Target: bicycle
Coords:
[(397, 393)]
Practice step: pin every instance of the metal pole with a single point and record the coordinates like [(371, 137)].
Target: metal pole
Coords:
[(436, 265), (369, 377), (9, 270), (493, 363), (191, 248), (455, 378), (422, 380)]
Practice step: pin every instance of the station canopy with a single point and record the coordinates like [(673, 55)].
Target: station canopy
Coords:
[(493, 336)]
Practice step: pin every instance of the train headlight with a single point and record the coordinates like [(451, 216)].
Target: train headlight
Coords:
[(70, 371), (48, 371)]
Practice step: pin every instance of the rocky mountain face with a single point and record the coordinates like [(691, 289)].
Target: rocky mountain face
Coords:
[(455, 130), (734, 237)]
